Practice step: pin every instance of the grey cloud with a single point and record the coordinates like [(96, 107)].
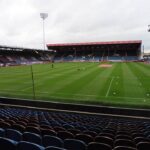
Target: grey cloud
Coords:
[(73, 21)]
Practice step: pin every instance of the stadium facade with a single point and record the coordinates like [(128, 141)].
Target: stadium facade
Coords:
[(12, 56), (98, 51)]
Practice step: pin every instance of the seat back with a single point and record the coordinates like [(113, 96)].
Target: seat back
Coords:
[(143, 146), (65, 135), (124, 142), (98, 146), (2, 132), (84, 137), (13, 134), (124, 148), (7, 144), (24, 145), (52, 141), (104, 139), (74, 144), (54, 148), (32, 137)]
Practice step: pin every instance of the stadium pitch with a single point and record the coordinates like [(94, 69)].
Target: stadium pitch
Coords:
[(120, 84)]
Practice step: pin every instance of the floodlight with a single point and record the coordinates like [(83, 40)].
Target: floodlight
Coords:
[(148, 28), (43, 16)]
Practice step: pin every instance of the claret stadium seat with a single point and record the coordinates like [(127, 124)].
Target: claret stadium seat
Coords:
[(143, 146), (65, 135), (84, 137)]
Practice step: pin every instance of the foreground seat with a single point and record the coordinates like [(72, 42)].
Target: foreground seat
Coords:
[(54, 148), (143, 146), (24, 145), (104, 139), (84, 137), (124, 142), (65, 135), (98, 146), (73, 144), (124, 148), (32, 137), (13, 134), (52, 141), (7, 144), (2, 132)]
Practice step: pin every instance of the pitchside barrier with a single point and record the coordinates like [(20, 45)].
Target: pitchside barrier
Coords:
[(77, 107)]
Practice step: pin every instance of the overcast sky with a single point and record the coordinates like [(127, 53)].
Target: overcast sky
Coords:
[(73, 21)]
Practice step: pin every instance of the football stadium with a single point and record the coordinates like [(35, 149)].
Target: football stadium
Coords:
[(75, 95)]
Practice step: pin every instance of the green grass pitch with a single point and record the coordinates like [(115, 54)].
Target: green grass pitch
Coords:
[(123, 84)]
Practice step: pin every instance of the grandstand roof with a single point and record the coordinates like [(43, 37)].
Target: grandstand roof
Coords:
[(95, 43), (15, 48)]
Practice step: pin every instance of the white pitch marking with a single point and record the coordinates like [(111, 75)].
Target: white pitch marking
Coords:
[(37, 93), (109, 87), (24, 89)]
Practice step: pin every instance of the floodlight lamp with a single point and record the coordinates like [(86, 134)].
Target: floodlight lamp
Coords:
[(43, 15), (148, 28)]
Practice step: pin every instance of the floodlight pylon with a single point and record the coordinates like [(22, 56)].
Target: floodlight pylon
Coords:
[(43, 16)]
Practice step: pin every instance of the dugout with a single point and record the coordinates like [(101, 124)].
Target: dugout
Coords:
[(97, 51)]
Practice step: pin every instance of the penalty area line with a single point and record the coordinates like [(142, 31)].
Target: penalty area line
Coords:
[(109, 87)]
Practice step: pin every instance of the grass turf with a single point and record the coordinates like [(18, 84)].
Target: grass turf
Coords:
[(123, 84)]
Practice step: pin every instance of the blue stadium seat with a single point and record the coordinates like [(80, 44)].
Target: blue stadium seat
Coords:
[(24, 145), (2, 132), (13, 134), (74, 144), (52, 141), (32, 137), (54, 148), (98, 146)]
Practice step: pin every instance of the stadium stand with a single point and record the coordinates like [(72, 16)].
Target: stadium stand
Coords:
[(12, 56), (116, 51), (111, 134)]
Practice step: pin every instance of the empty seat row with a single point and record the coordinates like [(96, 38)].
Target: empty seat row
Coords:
[(36, 126)]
